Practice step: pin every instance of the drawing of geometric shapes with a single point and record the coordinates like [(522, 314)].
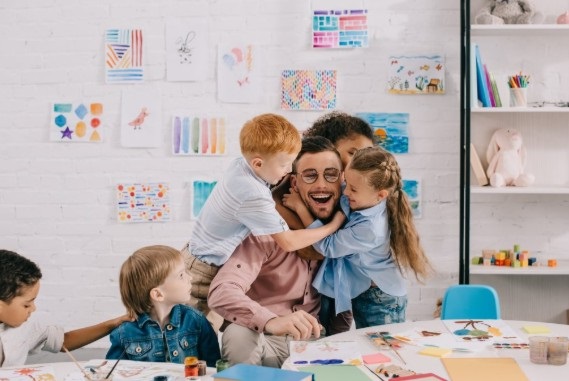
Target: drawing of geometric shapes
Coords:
[(81, 111), (80, 129), (95, 122), (66, 133), (143, 202), (96, 108), (60, 121), (95, 137), (62, 107), (308, 89), (123, 58), (340, 29)]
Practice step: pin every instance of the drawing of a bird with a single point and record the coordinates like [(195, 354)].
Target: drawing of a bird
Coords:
[(139, 120)]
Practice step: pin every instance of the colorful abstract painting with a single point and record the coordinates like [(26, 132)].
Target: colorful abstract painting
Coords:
[(308, 89), (201, 189), (340, 28), (28, 373), (416, 75), (479, 330), (141, 118), (390, 130), (198, 135), (412, 188), (123, 55), (143, 202), (186, 50), (238, 74), (76, 122)]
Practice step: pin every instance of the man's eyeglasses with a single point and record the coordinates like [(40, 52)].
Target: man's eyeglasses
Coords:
[(309, 176)]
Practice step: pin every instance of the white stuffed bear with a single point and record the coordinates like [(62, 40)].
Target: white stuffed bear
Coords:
[(508, 12), (506, 157)]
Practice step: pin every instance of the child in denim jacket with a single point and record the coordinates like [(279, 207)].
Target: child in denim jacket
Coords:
[(154, 285)]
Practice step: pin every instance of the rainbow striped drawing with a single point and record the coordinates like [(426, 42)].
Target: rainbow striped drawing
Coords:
[(123, 56), (198, 135)]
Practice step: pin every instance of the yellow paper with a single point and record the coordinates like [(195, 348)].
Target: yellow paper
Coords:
[(483, 369), (536, 329), (435, 351)]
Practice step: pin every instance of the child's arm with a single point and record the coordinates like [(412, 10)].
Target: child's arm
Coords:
[(83, 336), (293, 202)]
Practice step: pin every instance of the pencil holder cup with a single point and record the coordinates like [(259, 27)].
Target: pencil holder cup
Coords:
[(557, 350), (538, 347), (518, 97)]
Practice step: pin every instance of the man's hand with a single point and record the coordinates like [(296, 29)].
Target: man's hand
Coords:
[(300, 325)]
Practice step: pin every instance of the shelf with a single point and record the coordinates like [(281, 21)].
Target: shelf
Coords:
[(560, 269), (520, 190), (519, 30), (552, 109)]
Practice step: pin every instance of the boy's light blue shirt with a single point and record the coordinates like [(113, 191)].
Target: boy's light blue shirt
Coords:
[(356, 254), (187, 334), (240, 204)]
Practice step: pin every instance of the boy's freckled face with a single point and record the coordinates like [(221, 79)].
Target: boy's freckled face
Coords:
[(21, 307)]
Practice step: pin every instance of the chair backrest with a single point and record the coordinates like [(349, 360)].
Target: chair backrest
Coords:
[(470, 301)]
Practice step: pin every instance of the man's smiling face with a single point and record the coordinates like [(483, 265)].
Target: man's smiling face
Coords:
[(321, 196)]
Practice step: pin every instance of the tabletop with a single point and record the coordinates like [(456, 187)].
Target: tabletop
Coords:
[(125, 370), (512, 346)]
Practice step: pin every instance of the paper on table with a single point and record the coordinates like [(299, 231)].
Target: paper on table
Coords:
[(435, 351), (26, 373), (480, 330), (487, 369), (320, 351), (536, 329), (336, 372), (375, 358)]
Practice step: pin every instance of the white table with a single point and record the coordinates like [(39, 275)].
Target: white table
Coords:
[(427, 364), (67, 370)]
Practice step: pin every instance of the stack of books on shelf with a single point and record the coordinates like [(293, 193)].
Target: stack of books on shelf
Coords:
[(483, 84)]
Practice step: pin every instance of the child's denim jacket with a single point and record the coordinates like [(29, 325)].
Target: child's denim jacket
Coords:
[(187, 334)]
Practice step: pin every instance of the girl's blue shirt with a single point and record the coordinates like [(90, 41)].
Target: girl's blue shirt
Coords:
[(187, 334)]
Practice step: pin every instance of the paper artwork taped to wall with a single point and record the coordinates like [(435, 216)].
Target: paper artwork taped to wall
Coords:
[(76, 122), (412, 188), (139, 202), (201, 190), (238, 74), (198, 135), (416, 75), (186, 50), (308, 89), (141, 118), (123, 56), (390, 130), (28, 373), (340, 28)]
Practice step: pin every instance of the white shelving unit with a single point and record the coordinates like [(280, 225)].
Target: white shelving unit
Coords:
[(535, 217)]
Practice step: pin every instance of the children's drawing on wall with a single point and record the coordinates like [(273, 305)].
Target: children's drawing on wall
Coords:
[(186, 50), (308, 89), (238, 74), (412, 188), (123, 55), (390, 130), (345, 28), (141, 118), (198, 135), (76, 122), (139, 202), (416, 75), (201, 189)]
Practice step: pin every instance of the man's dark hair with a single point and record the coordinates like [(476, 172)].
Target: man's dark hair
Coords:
[(16, 272), (338, 125), (315, 144)]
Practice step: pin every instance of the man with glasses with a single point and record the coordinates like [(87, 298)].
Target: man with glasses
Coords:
[(265, 294)]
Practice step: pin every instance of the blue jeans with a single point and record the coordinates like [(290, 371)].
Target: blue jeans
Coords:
[(375, 307)]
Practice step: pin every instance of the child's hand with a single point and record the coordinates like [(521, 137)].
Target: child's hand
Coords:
[(338, 219), (123, 318), (292, 200)]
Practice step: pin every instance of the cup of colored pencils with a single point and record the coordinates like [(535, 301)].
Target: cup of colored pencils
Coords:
[(518, 85)]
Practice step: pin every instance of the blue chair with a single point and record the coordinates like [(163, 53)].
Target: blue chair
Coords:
[(470, 301)]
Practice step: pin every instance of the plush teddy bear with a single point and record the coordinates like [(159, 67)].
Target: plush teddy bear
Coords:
[(506, 157), (508, 12)]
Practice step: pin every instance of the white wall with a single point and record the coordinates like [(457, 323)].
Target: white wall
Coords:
[(57, 201)]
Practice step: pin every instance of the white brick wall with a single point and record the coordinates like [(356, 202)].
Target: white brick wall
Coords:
[(57, 201)]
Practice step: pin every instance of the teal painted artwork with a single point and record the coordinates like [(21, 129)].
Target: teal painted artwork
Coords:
[(201, 189), (390, 130), (412, 187)]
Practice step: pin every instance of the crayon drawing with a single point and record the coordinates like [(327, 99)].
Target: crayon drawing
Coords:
[(308, 89), (412, 188), (201, 189), (123, 56), (76, 122), (143, 202), (416, 75), (141, 118), (198, 135), (339, 28), (390, 130), (238, 79), (186, 50)]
